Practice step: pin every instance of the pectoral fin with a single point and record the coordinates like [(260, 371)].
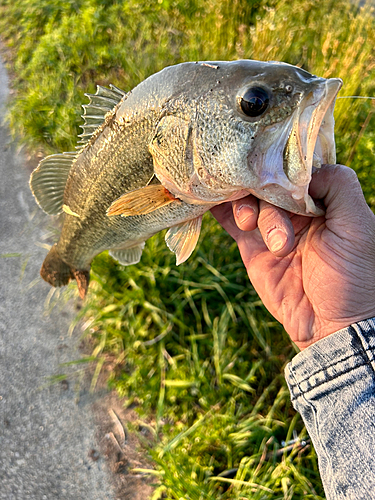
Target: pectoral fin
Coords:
[(182, 238), (142, 201)]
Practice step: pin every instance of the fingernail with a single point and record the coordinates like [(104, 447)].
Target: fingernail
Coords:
[(276, 240), (244, 213)]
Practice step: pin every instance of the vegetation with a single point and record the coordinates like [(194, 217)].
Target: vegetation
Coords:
[(193, 346)]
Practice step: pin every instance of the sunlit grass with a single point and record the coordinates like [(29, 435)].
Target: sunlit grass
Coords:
[(192, 346), (195, 346)]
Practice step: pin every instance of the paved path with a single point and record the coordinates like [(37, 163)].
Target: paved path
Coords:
[(45, 436)]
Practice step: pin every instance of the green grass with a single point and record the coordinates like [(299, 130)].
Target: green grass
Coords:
[(192, 347)]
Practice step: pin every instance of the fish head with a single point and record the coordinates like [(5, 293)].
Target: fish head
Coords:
[(251, 127), (295, 134)]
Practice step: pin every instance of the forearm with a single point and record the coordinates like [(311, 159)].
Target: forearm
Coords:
[(332, 385)]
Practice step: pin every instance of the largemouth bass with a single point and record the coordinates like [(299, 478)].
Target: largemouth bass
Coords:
[(187, 138)]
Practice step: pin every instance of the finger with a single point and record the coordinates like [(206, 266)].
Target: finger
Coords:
[(276, 229), (246, 212), (339, 188), (224, 215)]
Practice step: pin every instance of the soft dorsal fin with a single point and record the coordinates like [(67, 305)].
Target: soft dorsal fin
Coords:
[(101, 102), (48, 181)]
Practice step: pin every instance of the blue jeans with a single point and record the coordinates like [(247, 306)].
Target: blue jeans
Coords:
[(332, 386)]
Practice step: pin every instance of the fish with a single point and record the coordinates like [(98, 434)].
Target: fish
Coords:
[(192, 136)]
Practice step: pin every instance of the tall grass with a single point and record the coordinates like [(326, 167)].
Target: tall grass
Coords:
[(193, 347)]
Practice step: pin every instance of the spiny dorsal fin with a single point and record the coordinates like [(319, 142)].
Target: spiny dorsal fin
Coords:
[(94, 113), (48, 181)]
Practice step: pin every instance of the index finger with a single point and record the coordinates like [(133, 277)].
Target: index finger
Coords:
[(276, 229)]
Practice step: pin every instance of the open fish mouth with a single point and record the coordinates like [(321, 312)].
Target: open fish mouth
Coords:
[(310, 143)]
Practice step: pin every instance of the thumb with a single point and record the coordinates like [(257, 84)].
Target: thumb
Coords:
[(339, 188)]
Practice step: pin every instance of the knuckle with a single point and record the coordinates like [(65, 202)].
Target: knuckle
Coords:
[(346, 173), (269, 216)]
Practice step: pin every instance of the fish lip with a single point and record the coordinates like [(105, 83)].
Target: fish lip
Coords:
[(322, 123), (324, 146), (312, 132), (311, 141)]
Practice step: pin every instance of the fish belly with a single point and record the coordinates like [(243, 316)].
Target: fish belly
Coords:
[(80, 243)]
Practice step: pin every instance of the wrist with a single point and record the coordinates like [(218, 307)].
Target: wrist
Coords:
[(329, 328), (354, 340)]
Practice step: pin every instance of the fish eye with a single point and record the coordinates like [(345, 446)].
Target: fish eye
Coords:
[(254, 102)]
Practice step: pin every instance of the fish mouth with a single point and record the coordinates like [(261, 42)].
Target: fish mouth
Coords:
[(310, 144)]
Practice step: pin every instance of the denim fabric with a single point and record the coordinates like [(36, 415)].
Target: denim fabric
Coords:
[(332, 386)]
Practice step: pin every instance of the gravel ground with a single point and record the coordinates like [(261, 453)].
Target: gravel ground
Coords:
[(48, 440)]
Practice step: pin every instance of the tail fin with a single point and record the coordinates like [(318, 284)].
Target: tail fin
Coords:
[(57, 273)]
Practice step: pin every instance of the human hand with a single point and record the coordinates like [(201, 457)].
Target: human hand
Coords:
[(315, 275)]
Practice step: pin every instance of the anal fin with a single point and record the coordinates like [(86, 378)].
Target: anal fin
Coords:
[(128, 256), (141, 201), (182, 238)]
